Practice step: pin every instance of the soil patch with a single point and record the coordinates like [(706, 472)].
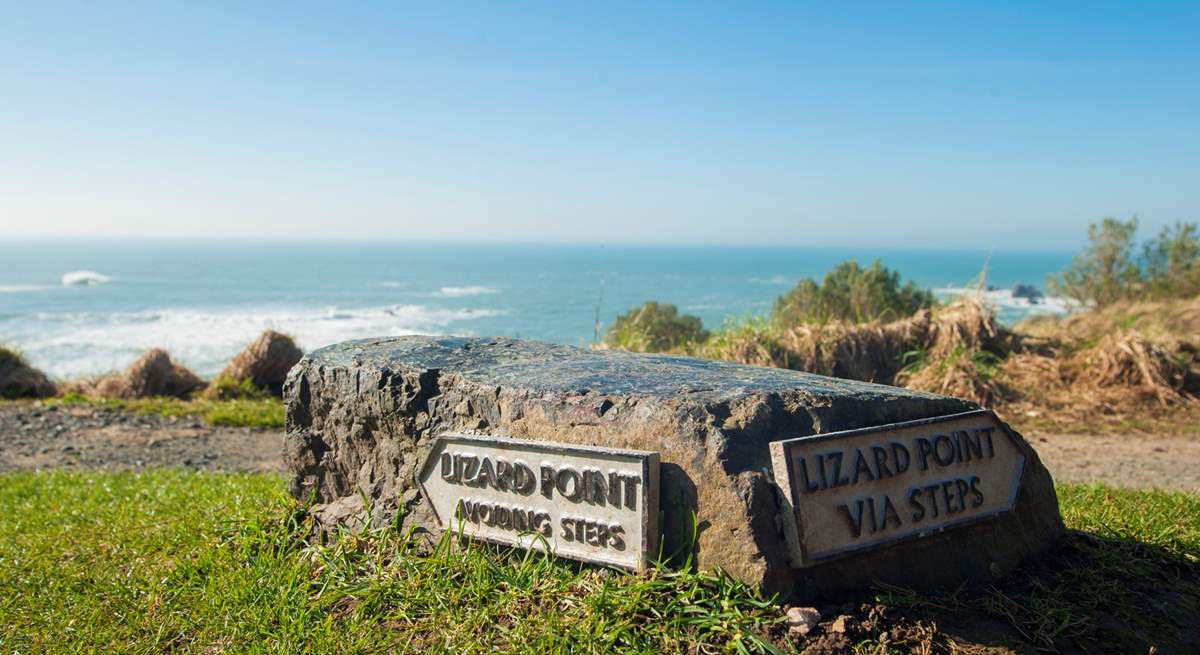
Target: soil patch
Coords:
[(33, 437)]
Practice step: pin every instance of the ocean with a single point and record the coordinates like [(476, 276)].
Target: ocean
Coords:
[(82, 307)]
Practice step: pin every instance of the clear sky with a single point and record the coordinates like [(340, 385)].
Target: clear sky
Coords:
[(960, 124)]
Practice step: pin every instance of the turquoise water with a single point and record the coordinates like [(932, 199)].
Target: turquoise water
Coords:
[(203, 301)]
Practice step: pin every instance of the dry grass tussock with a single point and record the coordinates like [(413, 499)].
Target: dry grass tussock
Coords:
[(1123, 378), (939, 350), (1077, 367), (256, 373), (1166, 322), (20, 380), (263, 365), (152, 374)]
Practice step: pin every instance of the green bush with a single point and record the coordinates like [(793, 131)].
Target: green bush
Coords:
[(655, 327), (1107, 271), (1173, 261), (851, 293), (229, 388)]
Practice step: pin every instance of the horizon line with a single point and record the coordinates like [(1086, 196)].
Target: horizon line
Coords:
[(522, 242)]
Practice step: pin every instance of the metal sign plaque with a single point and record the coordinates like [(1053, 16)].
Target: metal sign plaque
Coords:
[(583, 502), (864, 489)]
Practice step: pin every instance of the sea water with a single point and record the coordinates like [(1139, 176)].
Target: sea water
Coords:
[(82, 307)]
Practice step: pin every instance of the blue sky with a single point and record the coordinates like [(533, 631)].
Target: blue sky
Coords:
[(1006, 125)]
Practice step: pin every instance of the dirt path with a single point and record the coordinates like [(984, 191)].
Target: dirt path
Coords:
[(46, 437), (1166, 462)]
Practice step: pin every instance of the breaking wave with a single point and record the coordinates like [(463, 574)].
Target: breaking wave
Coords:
[(19, 288), (74, 344), (774, 280), (84, 279), (1010, 307), (464, 292)]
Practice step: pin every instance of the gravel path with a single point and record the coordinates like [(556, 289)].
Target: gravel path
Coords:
[(80, 436)]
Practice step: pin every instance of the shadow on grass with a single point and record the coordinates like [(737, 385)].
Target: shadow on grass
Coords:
[(1088, 594)]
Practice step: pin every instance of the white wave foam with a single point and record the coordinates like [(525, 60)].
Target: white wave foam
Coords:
[(20, 288), (1003, 300), (780, 280), (77, 344), (463, 292), (84, 279), (392, 284)]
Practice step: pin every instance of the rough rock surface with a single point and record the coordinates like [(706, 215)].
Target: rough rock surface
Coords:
[(362, 414), (265, 363)]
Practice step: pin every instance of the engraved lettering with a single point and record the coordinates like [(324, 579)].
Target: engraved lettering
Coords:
[(991, 447), (809, 486), (976, 494), (924, 449), (881, 455), (504, 475), (860, 467), (918, 508), (838, 479), (583, 502), (938, 442), (617, 533), (854, 518), (523, 479), (631, 494), (889, 513), (900, 457), (547, 481), (568, 478)]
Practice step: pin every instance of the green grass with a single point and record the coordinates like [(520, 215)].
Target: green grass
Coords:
[(1128, 579), (170, 560), (254, 412)]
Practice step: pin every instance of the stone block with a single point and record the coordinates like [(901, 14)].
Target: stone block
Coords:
[(363, 415)]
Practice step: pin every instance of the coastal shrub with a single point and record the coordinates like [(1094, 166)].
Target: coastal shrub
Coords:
[(1105, 271), (748, 341), (1173, 262), (655, 327), (851, 293)]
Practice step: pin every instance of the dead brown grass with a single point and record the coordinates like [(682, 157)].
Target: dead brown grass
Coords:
[(1126, 360), (1090, 370), (948, 350), (264, 364), (152, 374), (20, 380), (1166, 322)]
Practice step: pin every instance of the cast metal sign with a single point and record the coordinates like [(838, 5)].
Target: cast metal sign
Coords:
[(583, 502), (845, 492)]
